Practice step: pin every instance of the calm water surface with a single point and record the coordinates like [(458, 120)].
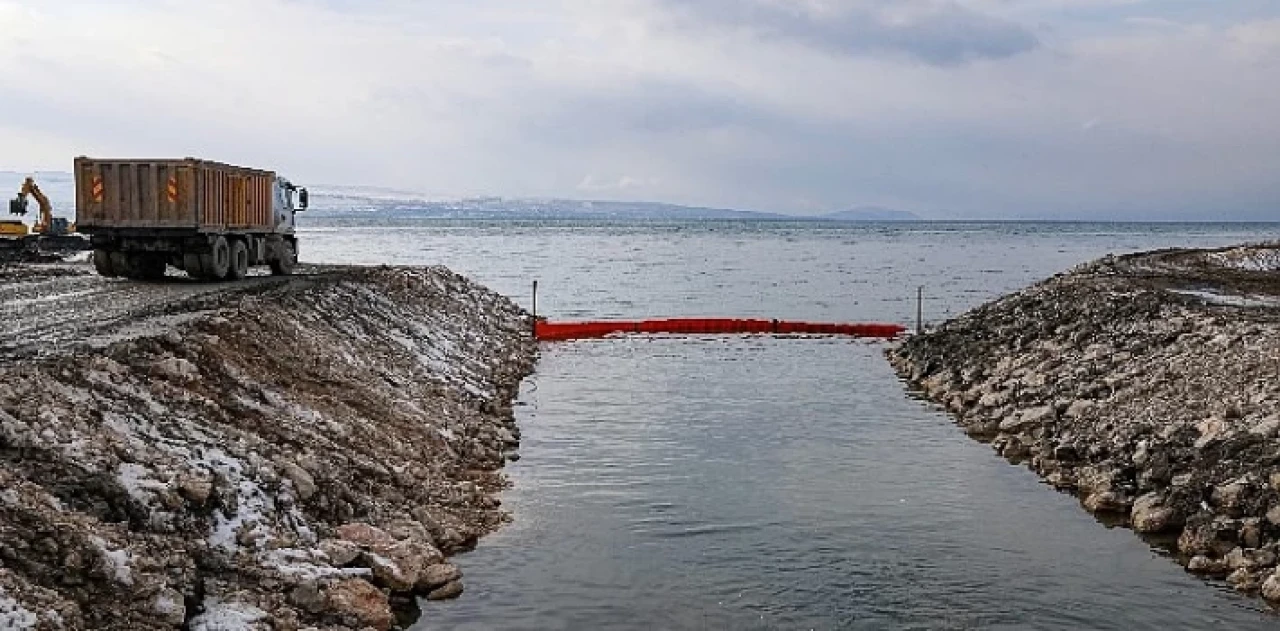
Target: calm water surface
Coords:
[(762, 483)]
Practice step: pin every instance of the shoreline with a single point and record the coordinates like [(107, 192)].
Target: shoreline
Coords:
[(281, 453), (1146, 385)]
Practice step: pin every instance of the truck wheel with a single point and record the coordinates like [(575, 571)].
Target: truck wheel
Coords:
[(120, 264), (191, 263), (283, 266), (217, 262), (102, 263), (239, 267)]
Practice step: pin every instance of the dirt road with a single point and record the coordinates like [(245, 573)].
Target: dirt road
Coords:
[(55, 309)]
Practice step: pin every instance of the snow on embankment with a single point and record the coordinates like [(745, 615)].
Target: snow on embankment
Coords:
[(1131, 383), (283, 460)]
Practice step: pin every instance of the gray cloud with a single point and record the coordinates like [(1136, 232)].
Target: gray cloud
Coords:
[(936, 32), (781, 105)]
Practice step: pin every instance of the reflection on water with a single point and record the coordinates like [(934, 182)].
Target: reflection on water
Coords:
[(757, 483)]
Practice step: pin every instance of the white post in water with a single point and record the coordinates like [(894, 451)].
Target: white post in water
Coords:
[(920, 310), (535, 301)]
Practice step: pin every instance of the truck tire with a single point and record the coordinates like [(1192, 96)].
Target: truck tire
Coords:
[(102, 263), (215, 264), (120, 264), (191, 263), (283, 266), (239, 267)]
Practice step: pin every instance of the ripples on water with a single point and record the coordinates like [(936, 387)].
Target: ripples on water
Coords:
[(763, 483)]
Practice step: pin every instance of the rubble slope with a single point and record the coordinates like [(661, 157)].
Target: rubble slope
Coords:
[(284, 456), (1149, 385)]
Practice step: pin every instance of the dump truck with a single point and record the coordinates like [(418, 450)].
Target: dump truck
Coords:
[(210, 219)]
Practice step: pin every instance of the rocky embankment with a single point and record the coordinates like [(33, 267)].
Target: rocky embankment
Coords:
[(282, 454), (1148, 385)]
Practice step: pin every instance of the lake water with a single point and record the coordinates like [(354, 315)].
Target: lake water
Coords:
[(750, 482)]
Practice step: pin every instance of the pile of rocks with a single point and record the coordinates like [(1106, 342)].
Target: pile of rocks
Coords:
[(1149, 385), (289, 458)]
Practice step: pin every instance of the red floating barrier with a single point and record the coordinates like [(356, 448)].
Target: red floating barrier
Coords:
[(560, 331)]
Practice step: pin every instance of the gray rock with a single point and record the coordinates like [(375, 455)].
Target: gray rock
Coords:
[(1027, 418), (365, 535), (1066, 453), (1212, 431), (437, 575), (1243, 580), (1267, 428), (1014, 448), (302, 481), (177, 369), (1273, 515), (992, 400), (1251, 533), (447, 591), (399, 566), (359, 604), (340, 551), (1149, 515), (410, 529), (1107, 502), (1236, 559), (1271, 587), (1249, 559), (195, 489), (308, 597), (1201, 564), (1079, 408), (1229, 497)]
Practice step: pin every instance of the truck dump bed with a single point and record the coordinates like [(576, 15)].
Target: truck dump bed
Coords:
[(188, 193)]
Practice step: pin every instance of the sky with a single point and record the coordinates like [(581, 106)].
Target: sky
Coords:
[(1050, 109)]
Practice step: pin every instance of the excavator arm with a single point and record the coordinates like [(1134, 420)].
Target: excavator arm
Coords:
[(46, 209)]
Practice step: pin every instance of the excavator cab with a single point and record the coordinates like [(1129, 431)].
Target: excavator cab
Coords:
[(18, 206)]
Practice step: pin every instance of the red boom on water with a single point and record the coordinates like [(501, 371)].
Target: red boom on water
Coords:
[(557, 331)]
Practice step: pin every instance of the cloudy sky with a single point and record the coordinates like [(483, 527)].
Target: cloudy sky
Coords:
[(951, 108)]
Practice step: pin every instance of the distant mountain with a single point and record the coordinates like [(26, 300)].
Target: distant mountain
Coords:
[(871, 213), (343, 200), (338, 201)]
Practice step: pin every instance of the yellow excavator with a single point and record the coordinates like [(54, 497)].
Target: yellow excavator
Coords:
[(48, 230)]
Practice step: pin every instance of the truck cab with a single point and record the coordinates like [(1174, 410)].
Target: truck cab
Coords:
[(287, 200)]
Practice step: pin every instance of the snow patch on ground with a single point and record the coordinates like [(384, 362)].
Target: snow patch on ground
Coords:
[(13, 615), (300, 564), (220, 616), (1248, 259), (134, 479), (119, 560), (253, 506), (166, 605)]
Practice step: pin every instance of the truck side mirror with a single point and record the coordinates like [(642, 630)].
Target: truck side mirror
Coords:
[(302, 199)]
